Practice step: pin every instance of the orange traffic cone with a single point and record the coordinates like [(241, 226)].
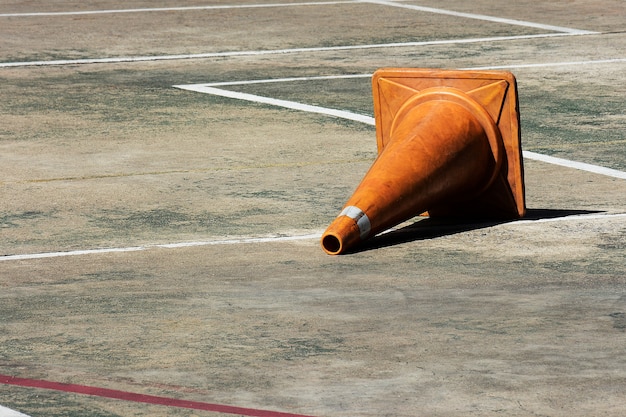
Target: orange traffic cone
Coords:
[(448, 144)]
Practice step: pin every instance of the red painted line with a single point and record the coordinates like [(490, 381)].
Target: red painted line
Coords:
[(141, 398)]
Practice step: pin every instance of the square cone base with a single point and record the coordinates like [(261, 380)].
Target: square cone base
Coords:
[(496, 92)]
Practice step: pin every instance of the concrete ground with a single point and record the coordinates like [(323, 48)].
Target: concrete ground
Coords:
[(165, 242)]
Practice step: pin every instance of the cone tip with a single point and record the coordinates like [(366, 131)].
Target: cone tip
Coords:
[(331, 244), (344, 232)]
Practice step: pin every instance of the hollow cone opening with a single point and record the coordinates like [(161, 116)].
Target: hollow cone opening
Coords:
[(331, 244)]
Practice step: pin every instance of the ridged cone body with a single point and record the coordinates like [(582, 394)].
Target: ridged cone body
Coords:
[(439, 153), (448, 144)]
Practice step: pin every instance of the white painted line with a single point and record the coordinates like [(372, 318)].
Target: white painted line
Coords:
[(229, 54), (287, 80), (312, 235), (233, 241), (551, 64), (209, 89), (201, 88), (176, 9), (369, 75), (70, 253), (482, 17), (609, 172), (266, 5), (572, 218), (243, 240), (7, 412)]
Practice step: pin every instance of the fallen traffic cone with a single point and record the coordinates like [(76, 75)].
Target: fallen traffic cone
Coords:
[(448, 144)]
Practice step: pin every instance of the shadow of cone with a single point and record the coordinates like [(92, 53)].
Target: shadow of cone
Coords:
[(448, 144)]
